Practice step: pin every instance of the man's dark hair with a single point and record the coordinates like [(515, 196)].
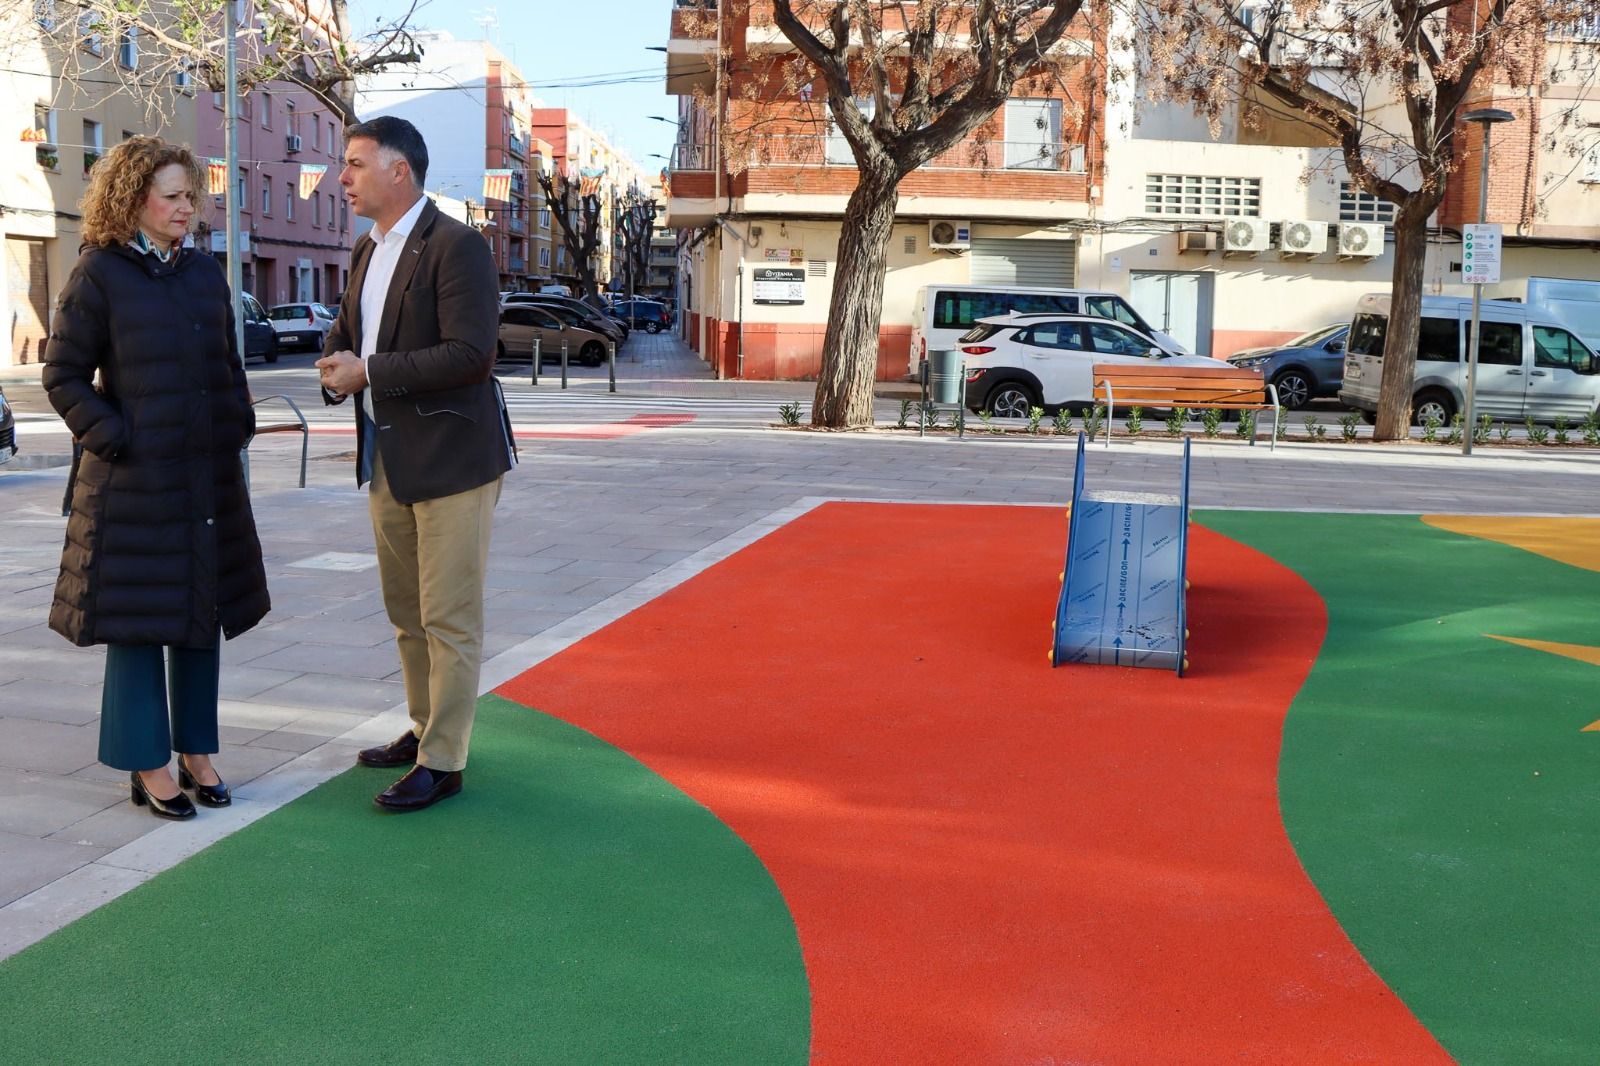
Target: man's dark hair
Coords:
[(397, 135)]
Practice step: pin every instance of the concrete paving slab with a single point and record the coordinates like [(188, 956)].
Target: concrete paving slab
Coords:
[(110, 828), (370, 661), (72, 703), (326, 690), (27, 863), (47, 747), (37, 805)]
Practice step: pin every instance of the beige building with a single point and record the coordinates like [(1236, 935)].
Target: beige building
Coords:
[(59, 127)]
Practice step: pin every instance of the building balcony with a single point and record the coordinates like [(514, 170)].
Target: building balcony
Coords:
[(518, 225), (692, 50), (518, 266), (812, 150), (517, 146)]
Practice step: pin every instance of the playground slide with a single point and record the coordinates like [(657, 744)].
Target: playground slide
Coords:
[(1122, 592)]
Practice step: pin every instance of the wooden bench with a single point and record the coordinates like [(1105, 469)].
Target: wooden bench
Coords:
[(1194, 387), (297, 426)]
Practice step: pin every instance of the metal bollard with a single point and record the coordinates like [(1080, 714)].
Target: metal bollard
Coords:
[(537, 356), (961, 424), (563, 362), (611, 363)]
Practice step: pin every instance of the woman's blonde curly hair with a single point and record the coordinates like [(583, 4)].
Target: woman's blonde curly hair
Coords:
[(119, 181)]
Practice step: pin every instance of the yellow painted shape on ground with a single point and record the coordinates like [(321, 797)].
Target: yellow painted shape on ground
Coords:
[(1584, 653), (1574, 541)]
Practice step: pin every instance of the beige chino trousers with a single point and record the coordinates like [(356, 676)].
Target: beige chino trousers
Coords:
[(432, 557)]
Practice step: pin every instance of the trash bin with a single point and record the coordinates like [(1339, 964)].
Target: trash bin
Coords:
[(944, 377)]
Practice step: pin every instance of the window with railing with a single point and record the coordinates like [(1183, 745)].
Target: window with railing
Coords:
[(1201, 195), (1358, 206), (1586, 27), (1033, 135), (128, 49), (93, 144), (45, 151)]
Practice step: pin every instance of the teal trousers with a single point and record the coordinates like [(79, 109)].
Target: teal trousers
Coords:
[(147, 712)]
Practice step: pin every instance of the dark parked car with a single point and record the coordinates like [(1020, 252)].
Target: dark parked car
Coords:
[(593, 319), (647, 315), (1307, 368), (8, 429), (260, 338)]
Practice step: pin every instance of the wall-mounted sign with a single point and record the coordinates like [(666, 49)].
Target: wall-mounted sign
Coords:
[(780, 285), (792, 256)]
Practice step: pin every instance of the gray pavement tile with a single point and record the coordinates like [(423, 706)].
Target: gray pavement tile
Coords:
[(251, 646), (373, 661), (290, 741), (51, 701), (109, 829), (26, 863), (235, 734), (239, 763), (38, 637), (318, 630), (522, 587), (506, 561), (326, 690), (246, 682), (47, 747), (36, 804), (607, 569)]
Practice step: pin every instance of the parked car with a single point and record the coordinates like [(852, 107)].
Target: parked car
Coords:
[(521, 323), (1018, 362), (301, 325), (1531, 364), (1307, 368), (8, 430), (260, 337), (943, 313), (592, 318), (647, 315)]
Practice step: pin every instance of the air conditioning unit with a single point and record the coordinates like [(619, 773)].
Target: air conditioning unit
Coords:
[(1302, 237), (1360, 239), (1197, 240), (294, 142), (1246, 235), (944, 233)]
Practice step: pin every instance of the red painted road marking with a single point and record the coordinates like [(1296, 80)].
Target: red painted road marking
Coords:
[(988, 860)]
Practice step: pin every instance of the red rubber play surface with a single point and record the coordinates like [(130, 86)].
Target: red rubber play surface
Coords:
[(988, 860)]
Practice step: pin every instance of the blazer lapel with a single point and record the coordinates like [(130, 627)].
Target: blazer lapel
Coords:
[(359, 258), (410, 256)]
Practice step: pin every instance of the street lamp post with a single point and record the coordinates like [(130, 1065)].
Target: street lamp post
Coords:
[(1487, 117)]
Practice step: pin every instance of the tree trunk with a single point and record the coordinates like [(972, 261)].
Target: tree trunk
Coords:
[(850, 350), (1405, 322)]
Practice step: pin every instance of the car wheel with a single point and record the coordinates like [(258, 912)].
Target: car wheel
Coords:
[(1369, 417), (1012, 399), (592, 354), (1432, 404), (653, 327), (1294, 389)]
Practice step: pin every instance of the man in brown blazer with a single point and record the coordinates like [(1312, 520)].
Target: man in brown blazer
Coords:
[(414, 343)]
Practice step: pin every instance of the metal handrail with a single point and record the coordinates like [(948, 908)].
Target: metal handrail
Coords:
[(288, 427)]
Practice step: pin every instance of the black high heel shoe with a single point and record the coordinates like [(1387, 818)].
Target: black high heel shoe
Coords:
[(177, 807), (208, 795)]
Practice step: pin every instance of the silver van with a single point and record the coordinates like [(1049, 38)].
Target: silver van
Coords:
[(1531, 364)]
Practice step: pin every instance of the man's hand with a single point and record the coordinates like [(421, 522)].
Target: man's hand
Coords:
[(343, 373)]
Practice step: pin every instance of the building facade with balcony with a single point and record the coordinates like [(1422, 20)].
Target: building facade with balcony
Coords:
[(59, 129), (758, 186), (1248, 237)]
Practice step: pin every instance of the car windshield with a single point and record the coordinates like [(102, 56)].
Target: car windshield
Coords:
[(286, 314), (1315, 337)]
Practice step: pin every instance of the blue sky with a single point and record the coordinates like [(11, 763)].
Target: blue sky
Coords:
[(555, 41)]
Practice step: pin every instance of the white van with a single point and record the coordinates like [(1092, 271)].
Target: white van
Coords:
[(1531, 364), (944, 312)]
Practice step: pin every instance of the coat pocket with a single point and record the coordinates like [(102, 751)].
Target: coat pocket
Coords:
[(436, 409)]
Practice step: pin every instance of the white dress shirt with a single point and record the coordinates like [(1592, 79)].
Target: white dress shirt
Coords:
[(375, 288)]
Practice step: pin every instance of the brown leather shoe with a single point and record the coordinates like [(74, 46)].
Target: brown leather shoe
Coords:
[(420, 788), (399, 752)]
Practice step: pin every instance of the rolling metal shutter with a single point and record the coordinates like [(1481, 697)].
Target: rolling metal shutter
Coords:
[(1013, 261)]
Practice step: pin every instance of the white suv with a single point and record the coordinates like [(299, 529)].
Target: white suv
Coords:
[(301, 325), (1018, 362)]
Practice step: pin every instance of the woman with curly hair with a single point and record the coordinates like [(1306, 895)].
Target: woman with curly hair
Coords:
[(161, 548)]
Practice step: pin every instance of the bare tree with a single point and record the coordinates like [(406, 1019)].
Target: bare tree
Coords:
[(636, 223), (1386, 82), (306, 42), (577, 216), (903, 83)]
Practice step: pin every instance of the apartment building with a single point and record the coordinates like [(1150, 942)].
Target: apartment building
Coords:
[(58, 128), (761, 239), (586, 154), (1249, 237), (295, 225)]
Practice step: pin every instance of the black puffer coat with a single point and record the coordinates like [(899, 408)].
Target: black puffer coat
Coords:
[(161, 546)]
